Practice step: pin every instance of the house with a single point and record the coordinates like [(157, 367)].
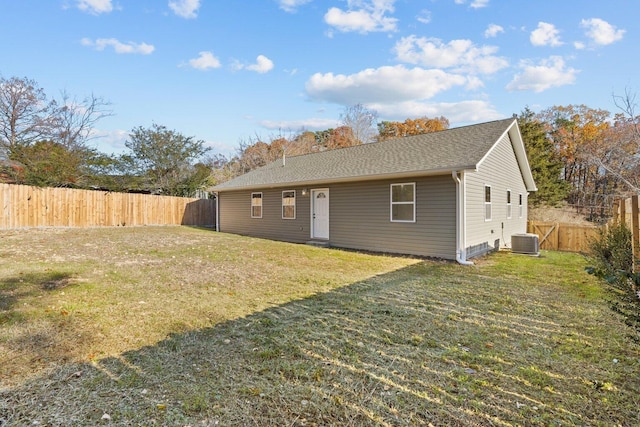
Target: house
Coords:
[(453, 194)]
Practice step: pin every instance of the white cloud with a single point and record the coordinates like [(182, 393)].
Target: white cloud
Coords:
[(549, 73), (110, 141), (262, 65), (493, 30), (601, 32), (363, 16), (291, 5), (472, 111), (187, 9), (309, 124), (475, 4), (382, 85), (424, 16), (118, 46), (545, 35), (460, 55), (95, 7), (204, 61), (579, 45)]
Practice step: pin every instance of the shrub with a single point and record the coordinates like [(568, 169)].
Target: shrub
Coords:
[(611, 253)]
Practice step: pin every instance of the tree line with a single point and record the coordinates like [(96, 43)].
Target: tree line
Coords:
[(45, 141), (579, 155)]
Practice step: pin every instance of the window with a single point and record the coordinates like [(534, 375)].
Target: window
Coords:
[(256, 205), (289, 204), (403, 202), (487, 203), (520, 207), (508, 204)]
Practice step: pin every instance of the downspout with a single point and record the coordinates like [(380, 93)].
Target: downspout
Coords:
[(460, 219), (217, 211)]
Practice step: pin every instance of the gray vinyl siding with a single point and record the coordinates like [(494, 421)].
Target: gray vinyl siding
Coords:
[(500, 170), (359, 217), (235, 215)]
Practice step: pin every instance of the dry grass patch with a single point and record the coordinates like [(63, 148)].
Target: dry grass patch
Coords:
[(306, 336), (85, 294)]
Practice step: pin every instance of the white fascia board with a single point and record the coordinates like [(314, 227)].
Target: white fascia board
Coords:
[(521, 156)]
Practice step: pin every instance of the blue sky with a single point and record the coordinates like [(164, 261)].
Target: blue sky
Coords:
[(226, 71)]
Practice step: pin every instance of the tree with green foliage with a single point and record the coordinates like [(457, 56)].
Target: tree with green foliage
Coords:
[(50, 164), (546, 165), (165, 159)]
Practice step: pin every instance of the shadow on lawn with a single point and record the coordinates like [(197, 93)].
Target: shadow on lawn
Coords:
[(404, 348), (13, 289)]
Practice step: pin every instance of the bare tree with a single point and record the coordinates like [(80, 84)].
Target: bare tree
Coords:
[(75, 120), (26, 115), (619, 155), (362, 122)]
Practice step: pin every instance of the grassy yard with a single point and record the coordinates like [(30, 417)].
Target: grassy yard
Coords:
[(180, 326)]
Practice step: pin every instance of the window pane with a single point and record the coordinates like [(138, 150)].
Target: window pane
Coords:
[(487, 194), (288, 211), (402, 212), (508, 196), (487, 211), (256, 211), (402, 193)]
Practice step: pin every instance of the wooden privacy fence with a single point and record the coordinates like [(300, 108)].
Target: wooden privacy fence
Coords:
[(23, 206), (557, 236), (627, 211)]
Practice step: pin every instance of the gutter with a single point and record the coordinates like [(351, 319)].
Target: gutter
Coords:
[(460, 219)]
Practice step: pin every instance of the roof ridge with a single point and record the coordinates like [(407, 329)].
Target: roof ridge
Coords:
[(400, 137)]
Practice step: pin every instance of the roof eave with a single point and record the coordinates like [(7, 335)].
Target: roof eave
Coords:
[(373, 177)]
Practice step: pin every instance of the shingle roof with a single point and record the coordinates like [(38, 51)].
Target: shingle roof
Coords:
[(432, 153)]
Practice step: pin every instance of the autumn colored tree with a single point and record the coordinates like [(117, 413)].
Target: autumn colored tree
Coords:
[(577, 131), (419, 126)]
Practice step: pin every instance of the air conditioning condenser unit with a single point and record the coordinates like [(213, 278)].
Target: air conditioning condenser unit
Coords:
[(525, 243)]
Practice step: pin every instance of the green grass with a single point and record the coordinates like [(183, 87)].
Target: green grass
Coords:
[(180, 326)]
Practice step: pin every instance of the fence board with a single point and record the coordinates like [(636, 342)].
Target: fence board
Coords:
[(23, 206), (563, 236)]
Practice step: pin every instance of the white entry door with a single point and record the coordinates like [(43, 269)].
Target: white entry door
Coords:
[(320, 213)]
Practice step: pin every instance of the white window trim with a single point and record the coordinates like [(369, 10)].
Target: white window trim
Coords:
[(509, 204), (294, 204), (391, 202), (484, 197), (261, 199), (520, 204)]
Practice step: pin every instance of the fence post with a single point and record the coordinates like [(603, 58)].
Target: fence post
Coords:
[(616, 211)]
